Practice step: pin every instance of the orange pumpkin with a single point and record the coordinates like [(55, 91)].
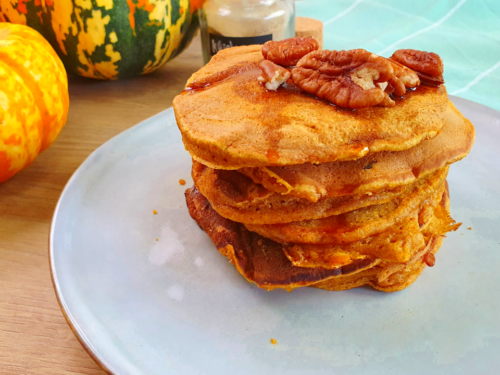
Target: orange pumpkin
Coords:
[(34, 97)]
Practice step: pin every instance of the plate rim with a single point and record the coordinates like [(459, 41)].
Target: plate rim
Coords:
[(75, 328), (97, 358), (73, 324)]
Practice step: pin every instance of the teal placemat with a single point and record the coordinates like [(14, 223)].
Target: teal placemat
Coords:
[(465, 33)]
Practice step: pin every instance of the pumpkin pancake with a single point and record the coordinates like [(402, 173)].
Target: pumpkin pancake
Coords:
[(391, 277), (258, 259), (398, 244), (263, 262), (383, 170), (356, 225), (229, 120), (385, 278), (237, 197)]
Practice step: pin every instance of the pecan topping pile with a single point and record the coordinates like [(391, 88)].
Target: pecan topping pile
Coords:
[(349, 79)]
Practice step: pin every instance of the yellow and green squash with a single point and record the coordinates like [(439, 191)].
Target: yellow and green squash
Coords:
[(109, 39)]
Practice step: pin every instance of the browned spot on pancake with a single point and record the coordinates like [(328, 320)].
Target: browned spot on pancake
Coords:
[(272, 155)]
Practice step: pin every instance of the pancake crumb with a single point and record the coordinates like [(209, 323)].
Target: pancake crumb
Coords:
[(157, 239), (470, 228), (274, 342), (182, 181)]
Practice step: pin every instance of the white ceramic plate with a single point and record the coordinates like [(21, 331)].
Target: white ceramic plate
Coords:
[(176, 306)]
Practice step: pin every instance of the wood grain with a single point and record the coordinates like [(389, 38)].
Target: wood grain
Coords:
[(34, 335)]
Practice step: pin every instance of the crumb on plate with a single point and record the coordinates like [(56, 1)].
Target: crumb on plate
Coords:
[(274, 342), (182, 181)]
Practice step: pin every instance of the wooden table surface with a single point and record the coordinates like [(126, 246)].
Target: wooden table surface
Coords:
[(34, 335)]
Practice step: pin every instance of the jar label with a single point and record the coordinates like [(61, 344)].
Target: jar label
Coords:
[(219, 42)]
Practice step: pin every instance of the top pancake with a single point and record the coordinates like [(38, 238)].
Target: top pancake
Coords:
[(228, 119)]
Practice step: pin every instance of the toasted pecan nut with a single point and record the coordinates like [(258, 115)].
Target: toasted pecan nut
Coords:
[(404, 78), (398, 87), (289, 51), (349, 79), (427, 65), (273, 75)]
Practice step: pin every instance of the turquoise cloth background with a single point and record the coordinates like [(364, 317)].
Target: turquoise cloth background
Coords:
[(465, 33)]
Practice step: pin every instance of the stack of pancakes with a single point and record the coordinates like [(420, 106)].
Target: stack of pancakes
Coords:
[(297, 192)]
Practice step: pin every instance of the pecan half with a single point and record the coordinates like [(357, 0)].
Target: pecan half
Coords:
[(289, 51), (273, 75), (427, 65), (404, 78), (349, 79)]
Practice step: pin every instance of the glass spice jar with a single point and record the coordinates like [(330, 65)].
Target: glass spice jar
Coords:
[(231, 23)]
